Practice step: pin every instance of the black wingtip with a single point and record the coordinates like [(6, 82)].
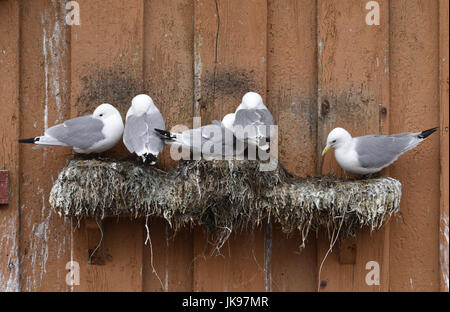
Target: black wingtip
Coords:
[(149, 159), (426, 133), (165, 134), (30, 140)]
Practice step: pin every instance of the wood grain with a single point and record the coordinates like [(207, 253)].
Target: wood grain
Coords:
[(9, 149), (292, 99), (414, 66), (317, 65), (107, 66), (168, 78), (230, 50), (353, 73), (444, 111), (44, 102)]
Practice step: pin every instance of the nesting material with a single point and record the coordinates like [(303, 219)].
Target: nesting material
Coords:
[(224, 196)]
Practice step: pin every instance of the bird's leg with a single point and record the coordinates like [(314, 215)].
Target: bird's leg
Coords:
[(366, 176)]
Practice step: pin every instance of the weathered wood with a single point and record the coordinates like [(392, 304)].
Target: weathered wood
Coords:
[(44, 101), (347, 251), (230, 50), (352, 75), (121, 265), (107, 67), (9, 150), (324, 66), (4, 187), (95, 233), (414, 65), (168, 79), (444, 111), (292, 98)]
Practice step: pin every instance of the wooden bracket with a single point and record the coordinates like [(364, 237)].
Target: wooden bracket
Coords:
[(95, 242), (4, 187), (347, 251)]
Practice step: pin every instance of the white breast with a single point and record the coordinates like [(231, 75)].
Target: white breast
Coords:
[(348, 159)]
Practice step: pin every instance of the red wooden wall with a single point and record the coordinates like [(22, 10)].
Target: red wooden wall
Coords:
[(317, 64)]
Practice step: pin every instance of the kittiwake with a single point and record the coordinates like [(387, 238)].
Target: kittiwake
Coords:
[(139, 136), (371, 153), (213, 140), (94, 133), (251, 121)]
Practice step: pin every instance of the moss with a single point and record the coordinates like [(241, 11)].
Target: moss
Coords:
[(224, 196)]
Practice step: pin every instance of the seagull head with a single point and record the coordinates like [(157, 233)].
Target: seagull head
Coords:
[(142, 104), (106, 111), (337, 138), (228, 121), (252, 100)]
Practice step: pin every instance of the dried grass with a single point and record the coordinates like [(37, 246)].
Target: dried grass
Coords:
[(224, 195)]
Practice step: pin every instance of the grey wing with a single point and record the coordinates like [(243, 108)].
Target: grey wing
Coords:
[(260, 118), (228, 142), (80, 132), (139, 135), (377, 151), (199, 136), (244, 117), (154, 142), (212, 132), (219, 140), (134, 133)]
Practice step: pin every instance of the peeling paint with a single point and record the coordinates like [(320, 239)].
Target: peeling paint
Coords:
[(54, 51), (444, 260), (38, 246), (198, 68), (11, 282)]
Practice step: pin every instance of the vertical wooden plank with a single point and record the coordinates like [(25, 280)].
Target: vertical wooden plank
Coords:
[(154, 268), (168, 264), (230, 54), (168, 78), (353, 75), (9, 150), (121, 259), (107, 66), (414, 78), (230, 59), (239, 267), (44, 100), (292, 98), (444, 94)]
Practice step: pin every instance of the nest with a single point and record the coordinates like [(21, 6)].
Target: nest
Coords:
[(224, 196)]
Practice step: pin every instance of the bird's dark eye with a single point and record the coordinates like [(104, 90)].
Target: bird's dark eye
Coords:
[(334, 141), (101, 115)]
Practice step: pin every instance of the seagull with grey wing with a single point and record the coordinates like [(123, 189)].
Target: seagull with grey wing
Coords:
[(94, 133), (213, 140), (371, 153), (139, 136), (251, 121)]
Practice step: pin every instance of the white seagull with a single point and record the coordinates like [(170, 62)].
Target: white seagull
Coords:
[(371, 153), (139, 136), (215, 139), (251, 120), (94, 133)]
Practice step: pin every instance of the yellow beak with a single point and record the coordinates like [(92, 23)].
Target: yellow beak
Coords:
[(326, 149)]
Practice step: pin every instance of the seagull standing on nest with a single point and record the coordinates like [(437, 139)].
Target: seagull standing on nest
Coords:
[(215, 139), (250, 121), (94, 133), (371, 153), (139, 136)]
